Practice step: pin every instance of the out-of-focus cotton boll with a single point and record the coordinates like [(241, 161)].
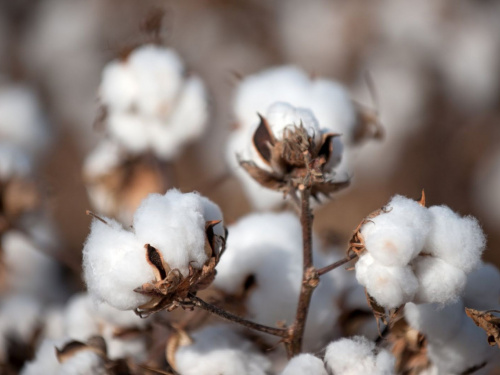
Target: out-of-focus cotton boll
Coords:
[(80, 322), (174, 224), (53, 325), (466, 349), (13, 162), (469, 63), (356, 356), (22, 121), (459, 241), (398, 233), (438, 281), (45, 361), (268, 249), (304, 364), (28, 269), (482, 291), (20, 317), (219, 350), (106, 156), (391, 286), (114, 264), (328, 100), (439, 322), (85, 362)]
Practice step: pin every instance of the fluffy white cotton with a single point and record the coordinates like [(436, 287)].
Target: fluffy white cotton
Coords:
[(174, 224), (45, 361), (13, 162), (390, 286), (357, 356), (439, 322), (459, 241), (438, 281), (20, 317), (84, 362), (53, 328), (328, 100), (114, 264), (482, 291), (304, 364), (151, 105), (23, 123), (80, 321), (268, 248), (219, 350), (106, 156)]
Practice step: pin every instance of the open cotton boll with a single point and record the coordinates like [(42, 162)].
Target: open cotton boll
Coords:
[(439, 323), (355, 356), (305, 364), (119, 89), (219, 350), (439, 281), (482, 291), (85, 362), (390, 286), (13, 162), (174, 224), (45, 361), (129, 130), (459, 241), (114, 264), (23, 123), (466, 349)]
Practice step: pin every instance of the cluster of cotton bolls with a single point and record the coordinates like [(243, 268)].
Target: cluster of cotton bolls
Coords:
[(418, 254), (114, 258), (151, 103), (286, 96)]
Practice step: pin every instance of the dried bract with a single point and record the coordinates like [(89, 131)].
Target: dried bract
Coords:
[(487, 321)]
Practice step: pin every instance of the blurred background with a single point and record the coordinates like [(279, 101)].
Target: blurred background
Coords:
[(435, 66)]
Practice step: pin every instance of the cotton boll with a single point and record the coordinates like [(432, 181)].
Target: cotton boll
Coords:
[(13, 162), (390, 286), (118, 318), (106, 156), (53, 328), (174, 224), (158, 72), (114, 264), (119, 88), (129, 130), (459, 241), (80, 322), (23, 123), (45, 361), (482, 291), (438, 323), (356, 356), (85, 362), (219, 350), (304, 364), (212, 212), (439, 282)]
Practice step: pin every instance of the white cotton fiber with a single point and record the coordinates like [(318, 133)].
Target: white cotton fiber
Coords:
[(459, 241), (482, 291), (84, 362), (130, 130), (119, 88), (219, 350), (80, 321), (103, 159), (439, 323), (356, 356), (438, 281), (390, 286), (114, 264), (45, 361), (174, 224), (304, 364)]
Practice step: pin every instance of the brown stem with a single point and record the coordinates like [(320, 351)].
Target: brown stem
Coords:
[(310, 277), (337, 264), (198, 302)]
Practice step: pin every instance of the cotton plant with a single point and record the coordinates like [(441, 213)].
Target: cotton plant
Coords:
[(285, 97), (170, 253), (410, 253)]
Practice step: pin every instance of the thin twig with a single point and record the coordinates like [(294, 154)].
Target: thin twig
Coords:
[(198, 302), (310, 277), (337, 264)]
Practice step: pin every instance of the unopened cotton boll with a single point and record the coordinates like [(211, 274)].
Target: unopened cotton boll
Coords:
[(438, 281), (304, 364), (357, 356), (114, 264), (482, 291), (174, 224), (457, 240), (219, 350)]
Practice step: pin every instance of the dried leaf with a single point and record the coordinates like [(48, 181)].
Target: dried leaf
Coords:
[(263, 138), (155, 260), (266, 179), (487, 321), (378, 311)]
